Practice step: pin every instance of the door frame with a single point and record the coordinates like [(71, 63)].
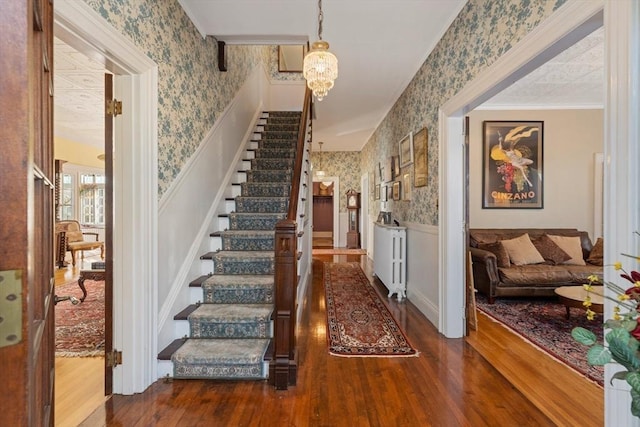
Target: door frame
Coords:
[(621, 21), (336, 206), (135, 175)]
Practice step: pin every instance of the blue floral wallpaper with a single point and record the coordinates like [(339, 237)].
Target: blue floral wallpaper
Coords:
[(480, 34), (343, 164), (191, 91)]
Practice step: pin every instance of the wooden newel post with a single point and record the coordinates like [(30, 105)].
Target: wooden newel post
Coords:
[(283, 368)]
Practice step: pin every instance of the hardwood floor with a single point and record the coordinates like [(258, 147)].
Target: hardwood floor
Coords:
[(449, 384), (79, 381)]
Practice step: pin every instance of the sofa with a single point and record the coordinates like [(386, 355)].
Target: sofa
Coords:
[(505, 265)]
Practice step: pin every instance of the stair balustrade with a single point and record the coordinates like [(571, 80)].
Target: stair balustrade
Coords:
[(283, 367)]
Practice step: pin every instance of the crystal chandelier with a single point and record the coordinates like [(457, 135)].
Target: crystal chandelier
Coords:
[(320, 66)]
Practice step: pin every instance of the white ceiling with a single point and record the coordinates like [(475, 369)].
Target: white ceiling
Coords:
[(375, 63)]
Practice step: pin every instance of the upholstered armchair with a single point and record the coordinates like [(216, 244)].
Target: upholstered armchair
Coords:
[(70, 237)]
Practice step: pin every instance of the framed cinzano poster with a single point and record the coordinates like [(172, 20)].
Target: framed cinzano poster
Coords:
[(513, 164)]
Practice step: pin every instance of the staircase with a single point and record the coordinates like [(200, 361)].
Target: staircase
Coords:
[(230, 327)]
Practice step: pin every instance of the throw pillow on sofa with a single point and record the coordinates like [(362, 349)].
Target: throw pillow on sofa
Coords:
[(521, 251), (499, 251), (597, 253), (571, 245), (550, 251)]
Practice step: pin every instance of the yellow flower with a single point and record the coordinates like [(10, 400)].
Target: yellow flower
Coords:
[(637, 284), (617, 265), (587, 301), (616, 313), (623, 297), (590, 314), (587, 287), (593, 279)]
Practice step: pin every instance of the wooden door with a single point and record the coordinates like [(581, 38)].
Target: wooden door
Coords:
[(27, 329)]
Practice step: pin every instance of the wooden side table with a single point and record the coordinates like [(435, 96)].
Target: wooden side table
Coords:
[(573, 296), (96, 273)]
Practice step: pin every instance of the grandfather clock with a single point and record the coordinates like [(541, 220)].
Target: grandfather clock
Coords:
[(353, 206)]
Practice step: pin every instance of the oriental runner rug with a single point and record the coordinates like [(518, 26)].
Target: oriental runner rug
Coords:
[(359, 323), (80, 328), (543, 322)]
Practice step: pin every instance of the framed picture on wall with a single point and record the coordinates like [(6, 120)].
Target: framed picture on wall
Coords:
[(420, 158), (383, 193), (395, 162), (406, 186), (396, 190), (377, 192), (512, 164), (406, 150)]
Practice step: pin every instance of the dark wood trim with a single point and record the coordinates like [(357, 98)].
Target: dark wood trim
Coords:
[(283, 368)]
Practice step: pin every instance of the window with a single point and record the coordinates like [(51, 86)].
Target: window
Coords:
[(67, 199), (92, 199)]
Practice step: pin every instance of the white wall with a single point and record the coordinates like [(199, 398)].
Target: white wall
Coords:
[(422, 269), (570, 140)]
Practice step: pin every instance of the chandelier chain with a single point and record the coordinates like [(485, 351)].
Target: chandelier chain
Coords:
[(320, 19)]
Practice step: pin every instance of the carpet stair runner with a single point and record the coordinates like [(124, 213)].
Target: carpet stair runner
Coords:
[(230, 327)]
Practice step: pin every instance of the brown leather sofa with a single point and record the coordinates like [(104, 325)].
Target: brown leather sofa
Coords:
[(524, 280)]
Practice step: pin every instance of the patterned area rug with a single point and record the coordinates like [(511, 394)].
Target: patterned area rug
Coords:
[(80, 328), (359, 323), (543, 322)]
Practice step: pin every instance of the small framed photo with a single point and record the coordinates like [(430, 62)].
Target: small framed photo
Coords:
[(377, 192), (512, 164), (395, 162), (406, 186), (383, 193), (420, 154), (406, 150), (396, 190)]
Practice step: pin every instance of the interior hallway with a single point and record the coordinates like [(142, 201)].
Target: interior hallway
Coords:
[(450, 383)]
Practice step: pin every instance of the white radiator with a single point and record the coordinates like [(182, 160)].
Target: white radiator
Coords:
[(390, 258)]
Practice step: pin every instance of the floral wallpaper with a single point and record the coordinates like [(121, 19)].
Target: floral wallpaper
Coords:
[(272, 60), (191, 91), (343, 164), (480, 34)]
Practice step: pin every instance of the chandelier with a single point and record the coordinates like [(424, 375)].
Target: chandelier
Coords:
[(320, 66)]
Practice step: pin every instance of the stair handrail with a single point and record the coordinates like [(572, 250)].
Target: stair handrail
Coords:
[(283, 365)]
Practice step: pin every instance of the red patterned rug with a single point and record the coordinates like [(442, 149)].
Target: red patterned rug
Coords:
[(359, 323), (80, 328), (542, 322)]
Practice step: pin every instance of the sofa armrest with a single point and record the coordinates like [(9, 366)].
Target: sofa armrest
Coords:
[(485, 271)]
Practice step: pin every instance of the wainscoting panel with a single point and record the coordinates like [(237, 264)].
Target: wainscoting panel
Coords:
[(422, 269)]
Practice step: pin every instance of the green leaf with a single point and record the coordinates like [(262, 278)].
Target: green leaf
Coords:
[(623, 354), (619, 334), (633, 379), (635, 403), (630, 324), (634, 344), (598, 355), (583, 336)]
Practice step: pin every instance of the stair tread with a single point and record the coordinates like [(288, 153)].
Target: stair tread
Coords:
[(232, 313), (246, 233), (196, 283), (222, 350), (244, 254), (168, 351), (184, 314)]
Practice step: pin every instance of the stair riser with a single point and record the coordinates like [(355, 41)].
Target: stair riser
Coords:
[(203, 329), (274, 153), (243, 267), (257, 205), (242, 222), (267, 176), (238, 244), (249, 189), (237, 296), (293, 136), (272, 164), (220, 371), (280, 127), (276, 143)]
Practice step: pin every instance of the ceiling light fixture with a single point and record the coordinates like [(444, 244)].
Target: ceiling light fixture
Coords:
[(320, 173), (320, 66)]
